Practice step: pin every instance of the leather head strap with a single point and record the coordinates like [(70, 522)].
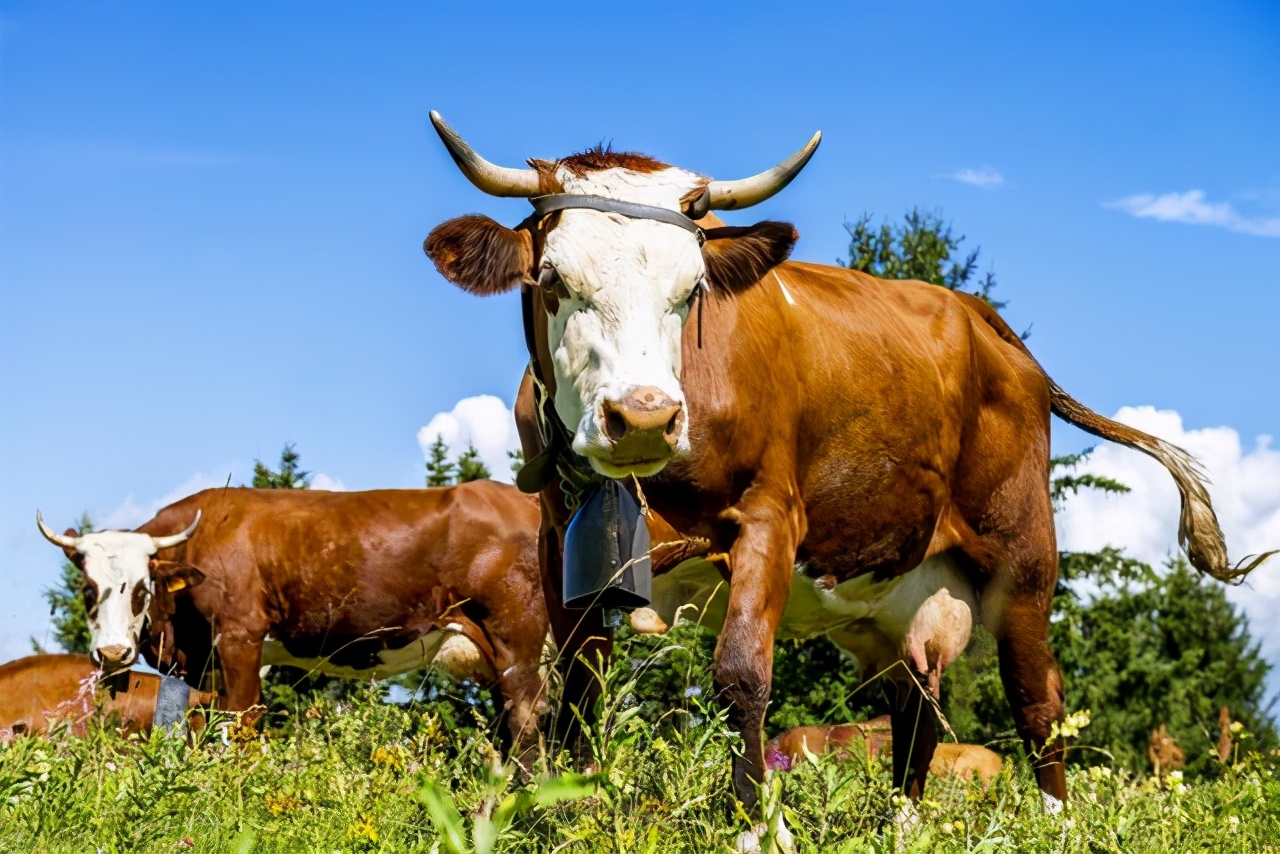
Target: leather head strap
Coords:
[(543, 205)]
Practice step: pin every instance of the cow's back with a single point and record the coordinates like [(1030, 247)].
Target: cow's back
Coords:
[(39, 688), (345, 574), (860, 388)]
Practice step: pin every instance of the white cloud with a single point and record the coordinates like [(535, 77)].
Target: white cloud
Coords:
[(1191, 207), (131, 514), (983, 177), (329, 484), (1244, 486), (484, 421)]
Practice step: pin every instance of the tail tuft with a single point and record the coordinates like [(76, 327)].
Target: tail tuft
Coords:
[(1199, 533)]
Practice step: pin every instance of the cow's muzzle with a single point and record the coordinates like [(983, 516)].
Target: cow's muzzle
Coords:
[(114, 657), (643, 427)]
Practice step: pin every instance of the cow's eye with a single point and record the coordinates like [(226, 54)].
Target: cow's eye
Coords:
[(549, 280), (90, 600), (693, 294)]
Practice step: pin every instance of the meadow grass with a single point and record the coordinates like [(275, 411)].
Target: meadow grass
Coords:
[(366, 775)]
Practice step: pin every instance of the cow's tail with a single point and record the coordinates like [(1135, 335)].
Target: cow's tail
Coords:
[(1199, 533)]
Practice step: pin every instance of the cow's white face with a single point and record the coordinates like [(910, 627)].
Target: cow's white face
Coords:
[(624, 288), (118, 591), (617, 289)]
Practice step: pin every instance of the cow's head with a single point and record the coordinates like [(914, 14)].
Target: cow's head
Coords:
[(121, 576), (617, 288)]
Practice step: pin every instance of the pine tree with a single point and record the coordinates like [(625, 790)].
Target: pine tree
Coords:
[(440, 472), (290, 476), (470, 467), (920, 248), (66, 603)]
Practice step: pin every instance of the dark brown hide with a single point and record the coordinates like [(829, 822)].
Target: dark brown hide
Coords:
[(37, 690), (347, 575)]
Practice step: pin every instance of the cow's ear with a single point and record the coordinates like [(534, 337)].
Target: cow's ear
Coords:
[(175, 576), (73, 555), (738, 257), (481, 256)]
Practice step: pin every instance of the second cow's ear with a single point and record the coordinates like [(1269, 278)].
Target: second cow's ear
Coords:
[(481, 256), (175, 576)]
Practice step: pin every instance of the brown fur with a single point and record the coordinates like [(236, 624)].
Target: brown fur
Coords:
[(875, 737), (480, 255), (737, 258), (600, 158), (38, 690), (345, 574)]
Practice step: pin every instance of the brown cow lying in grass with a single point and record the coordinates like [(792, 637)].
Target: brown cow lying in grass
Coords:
[(876, 737), (39, 690)]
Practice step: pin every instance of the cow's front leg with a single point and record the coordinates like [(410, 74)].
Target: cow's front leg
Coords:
[(761, 562), (584, 646), (240, 654)]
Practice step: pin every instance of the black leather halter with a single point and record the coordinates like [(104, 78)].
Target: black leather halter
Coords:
[(549, 204), (543, 205)]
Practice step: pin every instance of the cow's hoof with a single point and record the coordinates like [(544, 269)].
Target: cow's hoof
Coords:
[(1052, 805), (750, 841), (906, 822)]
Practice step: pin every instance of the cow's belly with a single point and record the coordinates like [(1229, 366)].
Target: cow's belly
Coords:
[(451, 651), (924, 616)]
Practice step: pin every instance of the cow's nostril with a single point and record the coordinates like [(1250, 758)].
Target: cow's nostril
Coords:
[(614, 424), (673, 426)]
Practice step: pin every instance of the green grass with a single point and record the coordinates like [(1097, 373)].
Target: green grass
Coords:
[(363, 775)]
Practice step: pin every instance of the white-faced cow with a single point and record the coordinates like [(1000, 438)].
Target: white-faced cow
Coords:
[(872, 457), (351, 584)]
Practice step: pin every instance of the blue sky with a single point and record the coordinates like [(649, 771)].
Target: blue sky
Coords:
[(211, 215)]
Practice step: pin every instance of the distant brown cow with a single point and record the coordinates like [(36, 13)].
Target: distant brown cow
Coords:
[(876, 736), (40, 689), (352, 584)]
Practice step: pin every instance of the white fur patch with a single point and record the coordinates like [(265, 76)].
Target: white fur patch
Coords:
[(924, 617), (452, 652)]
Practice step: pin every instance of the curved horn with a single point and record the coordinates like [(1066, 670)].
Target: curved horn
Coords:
[(57, 539), (494, 180), (176, 539), (745, 192)]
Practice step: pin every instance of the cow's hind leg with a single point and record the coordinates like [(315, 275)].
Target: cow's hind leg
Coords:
[(915, 736), (1022, 572), (1033, 686)]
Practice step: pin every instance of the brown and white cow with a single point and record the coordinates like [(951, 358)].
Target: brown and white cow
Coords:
[(871, 456), (38, 690), (351, 584)]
